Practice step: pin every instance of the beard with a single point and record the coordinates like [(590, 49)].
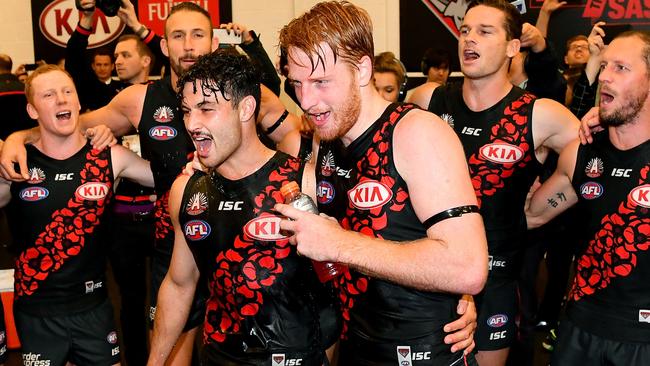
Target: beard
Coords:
[(343, 118), (626, 113)]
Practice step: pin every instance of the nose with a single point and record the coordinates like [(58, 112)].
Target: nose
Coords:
[(191, 120), (605, 75), (306, 98), (188, 44)]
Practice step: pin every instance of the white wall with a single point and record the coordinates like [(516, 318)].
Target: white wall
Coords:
[(16, 38)]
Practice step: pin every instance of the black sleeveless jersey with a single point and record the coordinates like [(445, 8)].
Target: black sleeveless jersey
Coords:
[(53, 217), (611, 291), (167, 145), (361, 187), (261, 292), (500, 152)]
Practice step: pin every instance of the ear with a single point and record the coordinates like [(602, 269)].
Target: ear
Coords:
[(146, 61), (31, 110), (246, 109), (566, 61), (364, 74), (513, 47), (163, 47), (215, 43)]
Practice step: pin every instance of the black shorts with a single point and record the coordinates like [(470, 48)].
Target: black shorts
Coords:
[(159, 267), (577, 347), (497, 307), (429, 351), (210, 356), (3, 335), (86, 338)]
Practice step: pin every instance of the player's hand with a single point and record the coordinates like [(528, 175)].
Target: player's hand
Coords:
[(531, 37), (126, 13), (239, 29), (193, 166), (463, 328), (101, 137), (595, 39), (13, 151), (550, 6), (589, 125), (310, 231)]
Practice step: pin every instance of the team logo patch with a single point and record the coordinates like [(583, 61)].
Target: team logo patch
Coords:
[(264, 228), (92, 191), (369, 194), (404, 356), (641, 195), (36, 175), (163, 114), (196, 230), (501, 153), (33, 194), (644, 316), (594, 168), (448, 118), (197, 204), (325, 192), (328, 166), (2, 337), (278, 359), (111, 337), (591, 190), (162, 133), (497, 321)]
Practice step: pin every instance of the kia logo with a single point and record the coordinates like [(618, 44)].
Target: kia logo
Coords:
[(264, 228), (92, 191), (501, 153), (640, 195), (369, 194)]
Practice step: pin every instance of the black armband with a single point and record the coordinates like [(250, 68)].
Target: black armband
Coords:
[(277, 123), (448, 214)]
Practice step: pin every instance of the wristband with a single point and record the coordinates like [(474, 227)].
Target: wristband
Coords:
[(448, 214), (277, 123), (141, 31)]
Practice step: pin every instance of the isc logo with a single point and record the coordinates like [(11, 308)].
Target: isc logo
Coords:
[(641, 195), (471, 131), (92, 191), (265, 228), (230, 205), (498, 335), (497, 321), (369, 194), (591, 190), (64, 176), (162, 133), (501, 153), (618, 172), (32, 194), (196, 230)]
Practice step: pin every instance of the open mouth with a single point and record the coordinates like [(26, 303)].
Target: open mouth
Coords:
[(64, 116), (606, 98), (202, 142), (470, 55), (318, 118)]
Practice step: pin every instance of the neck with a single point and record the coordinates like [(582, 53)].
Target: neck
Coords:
[(141, 78), (60, 147), (630, 135), (372, 107), (174, 80), (251, 155), (481, 94)]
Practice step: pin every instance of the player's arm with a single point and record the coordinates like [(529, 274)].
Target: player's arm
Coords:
[(5, 192), (127, 164), (177, 289), (556, 194), (453, 256), (13, 151), (554, 126), (122, 114), (283, 129), (421, 96)]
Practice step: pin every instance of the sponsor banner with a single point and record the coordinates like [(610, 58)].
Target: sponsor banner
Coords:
[(53, 21)]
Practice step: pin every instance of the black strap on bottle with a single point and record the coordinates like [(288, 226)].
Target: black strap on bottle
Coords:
[(448, 214)]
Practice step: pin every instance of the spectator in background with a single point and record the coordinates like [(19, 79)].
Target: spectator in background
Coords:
[(12, 100), (389, 76), (435, 66), (585, 88)]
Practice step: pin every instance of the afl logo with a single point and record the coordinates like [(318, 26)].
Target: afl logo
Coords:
[(591, 190), (59, 19), (369, 194), (501, 153), (197, 230), (497, 321), (92, 191), (264, 228), (163, 114), (325, 192), (111, 337), (32, 194), (641, 195), (162, 133)]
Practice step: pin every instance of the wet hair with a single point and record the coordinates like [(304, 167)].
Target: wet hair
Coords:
[(227, 72), (387, 62), (191, 7), (643, 36), (141, 47), (513, 22), (344, 27), (43, 69), (579, 37), (437, 58)]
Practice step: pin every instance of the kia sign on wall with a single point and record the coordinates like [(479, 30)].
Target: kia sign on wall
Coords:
[(53, 21)]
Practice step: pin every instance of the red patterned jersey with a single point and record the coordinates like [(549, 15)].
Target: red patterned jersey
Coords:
[(262, 294), (360, 186), (500, 152), (611, 291), (53, 217)]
